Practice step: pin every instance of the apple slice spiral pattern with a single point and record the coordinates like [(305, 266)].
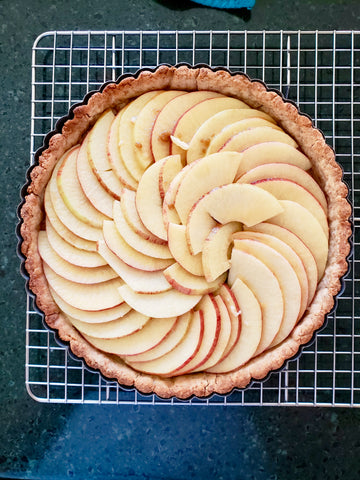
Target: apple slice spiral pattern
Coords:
[(197, 210)]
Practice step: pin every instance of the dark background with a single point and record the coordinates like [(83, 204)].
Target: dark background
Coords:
[(126, 442)]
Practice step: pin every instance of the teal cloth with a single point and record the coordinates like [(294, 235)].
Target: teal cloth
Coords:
[(227, 3)]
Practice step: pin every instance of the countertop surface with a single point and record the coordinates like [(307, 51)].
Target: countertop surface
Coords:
[(43, 441)]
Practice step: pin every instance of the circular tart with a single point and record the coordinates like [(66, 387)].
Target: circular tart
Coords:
[(186, 230)]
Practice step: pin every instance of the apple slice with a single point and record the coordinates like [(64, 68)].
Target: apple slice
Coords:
[(150, 212), (130, 213), (271, 152), (86, 316), (76, 256), (234, 312), (98, 157), (72, 193), (153, 332), (265, 286), (79, 228), (251, 330), (288, 171), (114, 156), (159, 305), (169, 212), (212, 327), (121, 327), (216, 123), (229, 203), (168, 171), (284, 189), (98, 296), (92, 188), (286, 276), (136, 241), (169, 342), (179, 356), (195, 116), (144, 124), (140, 281), (290, 255), (129, 255), (225, 134), (63, 231), (216, 250), (300, 221), (202, 176), (253, 136), (298, 246), (190, 284), (180, 250), (69, 271), (167, 118)]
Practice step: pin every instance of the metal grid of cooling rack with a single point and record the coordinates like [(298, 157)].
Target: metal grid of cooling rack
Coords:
[(318, 70)]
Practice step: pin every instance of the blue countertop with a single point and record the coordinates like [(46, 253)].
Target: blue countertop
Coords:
[(43, 441)]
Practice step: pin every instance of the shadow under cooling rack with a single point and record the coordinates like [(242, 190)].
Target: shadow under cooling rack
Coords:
[(320, 71)]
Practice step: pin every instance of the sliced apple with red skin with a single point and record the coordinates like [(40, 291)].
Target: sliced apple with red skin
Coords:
[(178, 357), (86, 316), (230, 203), (129, 255), (179, 249), (92, 188), (289, 172), (167, 118), (216, 123), (234, 312), (136, 241), (169, 212), (212, 328), (65, 269), (216, 250), (286, 276), (271, 152), (294, 242), (98, 296), (144, 124), (73, 195), (169, 342), (114, 156), (97, 154), (168, 171), (153, 332), (150, 212), (73, 255), (300, 221), (265, 286), (290, 255), (202, 176), (251, 330), (140, 281), (190, 284), (284, 189), (193, 118), (130, 213), (71, 222), (121, 327), (225, 135), (224, 336)]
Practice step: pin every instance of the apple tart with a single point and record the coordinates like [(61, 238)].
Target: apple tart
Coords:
[(186, 230)]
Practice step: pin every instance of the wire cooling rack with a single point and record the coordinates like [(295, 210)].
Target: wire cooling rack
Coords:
[(318, 70)]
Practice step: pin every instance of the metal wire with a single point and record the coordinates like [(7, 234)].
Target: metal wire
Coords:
[(318, 70)]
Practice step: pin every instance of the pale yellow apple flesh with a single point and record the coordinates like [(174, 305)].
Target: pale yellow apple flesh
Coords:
[(251, 330), (190, 284), (253, 136), (169, 212), (216, 250), (180, 250), (153, 332), (159, 305), (140, 281), (233, 309), (265, 286), (213, 125), (168, 171)]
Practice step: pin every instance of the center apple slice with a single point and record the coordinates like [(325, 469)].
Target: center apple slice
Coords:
[(190, 284), (236, 202), (180, 250)]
